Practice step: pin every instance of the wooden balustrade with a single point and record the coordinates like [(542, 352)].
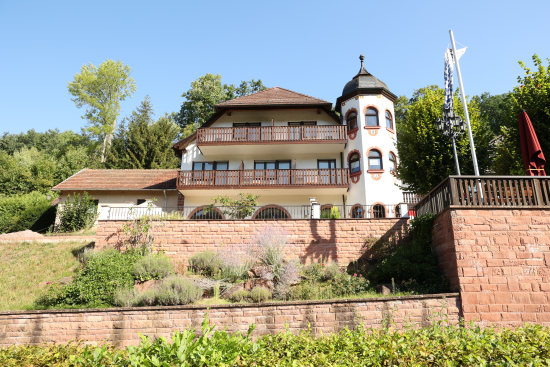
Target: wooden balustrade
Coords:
[(272, 134), (487, 191), (411, 198), (276, 178)]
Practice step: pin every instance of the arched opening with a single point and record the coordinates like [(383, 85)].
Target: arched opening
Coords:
[(378, 211), (357, 211), (375, 159), (389, 120), (354, 163), (393, 163), (206, 212), (271, 212), (352, 121), (330, 212), (372, 117)]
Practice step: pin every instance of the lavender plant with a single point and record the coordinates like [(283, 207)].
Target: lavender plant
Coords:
[(235, 261), (269, 247)]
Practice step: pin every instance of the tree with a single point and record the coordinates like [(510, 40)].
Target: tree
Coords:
[(206, 92), (494, 109), (100, 90), (143, 143), (426, 156)]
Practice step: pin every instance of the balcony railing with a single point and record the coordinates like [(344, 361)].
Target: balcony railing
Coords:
[(487, 191), (272, 135), (275, 178)]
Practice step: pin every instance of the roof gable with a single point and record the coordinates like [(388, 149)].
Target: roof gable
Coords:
[(273, 96)]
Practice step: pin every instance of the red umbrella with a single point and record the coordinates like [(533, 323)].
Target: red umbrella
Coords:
[(533, 158)]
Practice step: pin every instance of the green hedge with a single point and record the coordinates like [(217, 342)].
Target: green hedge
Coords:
[(27, 211), (436, 345)]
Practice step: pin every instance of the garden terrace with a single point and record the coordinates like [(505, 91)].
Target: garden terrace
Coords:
[(485, 192), (320, 138), (273, 178)]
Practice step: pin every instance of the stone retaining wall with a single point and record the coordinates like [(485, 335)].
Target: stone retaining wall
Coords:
[(122, 325), (341, 240)]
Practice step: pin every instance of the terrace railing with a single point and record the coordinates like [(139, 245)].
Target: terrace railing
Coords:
[(272, 134), (276, 178), (487, 191), (265, 212)]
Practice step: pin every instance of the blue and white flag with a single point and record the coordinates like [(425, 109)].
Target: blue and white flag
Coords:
[(449, 67)]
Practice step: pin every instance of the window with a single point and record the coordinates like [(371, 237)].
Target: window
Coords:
[(275, 172), (302, 123), (206, 213), (210, 166), (357, 211), (354, 163), (326, 163), (246, 124), (372, 117), (352, 121), (271, 212), (393, 163), (389, 122), (378, 211), (375, 160), (398, 211), (141, 201), (242, 131), (271, 164)]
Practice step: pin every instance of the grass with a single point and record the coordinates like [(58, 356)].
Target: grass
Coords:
[(25, 267), (88, 232)]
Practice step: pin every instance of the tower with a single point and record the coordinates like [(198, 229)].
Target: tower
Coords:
[(366, 106)]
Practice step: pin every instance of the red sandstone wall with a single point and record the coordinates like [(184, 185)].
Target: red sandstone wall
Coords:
[(338, 240), (122, 325), (502, 262)]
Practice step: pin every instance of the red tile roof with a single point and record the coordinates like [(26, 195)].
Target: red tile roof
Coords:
[(272, 96), (121, 179)]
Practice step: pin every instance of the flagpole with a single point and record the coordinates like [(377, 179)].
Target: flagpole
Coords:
[(472, 147)]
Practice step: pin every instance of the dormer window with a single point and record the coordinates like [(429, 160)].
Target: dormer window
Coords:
[(372, 117), (352, 121)]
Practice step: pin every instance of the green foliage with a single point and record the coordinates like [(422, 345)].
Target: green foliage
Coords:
[(260, 294), (206, 263), (347, 285), (153, 266), (240, 296), (139, 231), (425, 155), (77, 213), (413, 262), (437, 345), (100, 90), (27, 211), (143, 143), (206, 92), (330, 213), (236, 208), (95, 285), (174, 290), (127, 297)]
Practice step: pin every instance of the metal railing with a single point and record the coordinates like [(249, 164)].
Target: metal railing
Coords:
[(272, 134), (487, 191), (338, 177), (264, 212)]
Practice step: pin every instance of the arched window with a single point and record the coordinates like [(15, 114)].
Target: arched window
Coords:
[(397, 211), (206, 213), (352, 121), (354, 163), (372, 117), (393, 163), (378, 211), (375, 159), (389, 121), (271, 212), (357, 211)]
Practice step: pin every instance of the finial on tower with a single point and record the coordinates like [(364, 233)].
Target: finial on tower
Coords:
[(362, 58)]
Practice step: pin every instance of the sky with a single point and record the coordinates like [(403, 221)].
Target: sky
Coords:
[(311, 47)]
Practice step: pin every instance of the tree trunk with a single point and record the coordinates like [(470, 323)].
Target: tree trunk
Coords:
[(103, 149), (112, 132)]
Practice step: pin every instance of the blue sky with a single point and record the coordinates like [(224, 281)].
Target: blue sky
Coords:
[(310, 47)]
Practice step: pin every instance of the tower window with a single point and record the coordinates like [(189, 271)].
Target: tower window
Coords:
[(372, 117), (352, 121), (375, 159), (393, 163), (389, 121), (354, 163)]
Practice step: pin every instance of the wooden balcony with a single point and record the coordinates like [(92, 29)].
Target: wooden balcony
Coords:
[(272, 135), (251, 179)]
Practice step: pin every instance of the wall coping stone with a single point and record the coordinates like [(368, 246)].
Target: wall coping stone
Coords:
[(264, 220), (233, 305)]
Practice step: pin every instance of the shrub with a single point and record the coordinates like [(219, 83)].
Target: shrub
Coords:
[(260, 294), (153, 266), (347, 285), (413, 262), (127, 297), (331, 271), (29, 211), (173, 290), (95, 285), (77, 213), (314, 271), (206, 263), (330, 213), (240, 295), (269, 247), (235, 261)]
